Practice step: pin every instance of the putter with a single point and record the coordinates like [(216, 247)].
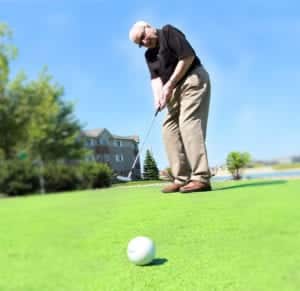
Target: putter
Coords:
[(128, 178)]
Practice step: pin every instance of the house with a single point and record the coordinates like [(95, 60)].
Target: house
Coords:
[(119, 152)]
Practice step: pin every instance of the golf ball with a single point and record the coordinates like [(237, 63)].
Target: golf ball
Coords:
[(141, 250)]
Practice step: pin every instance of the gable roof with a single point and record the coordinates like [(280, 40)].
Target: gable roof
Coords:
[(94, 133), (130, 137)]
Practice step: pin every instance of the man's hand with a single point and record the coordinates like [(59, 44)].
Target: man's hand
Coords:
[(166, 95), (157, 87), (162, 93), (157, 103)]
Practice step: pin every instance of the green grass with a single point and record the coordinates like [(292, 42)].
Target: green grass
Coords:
[(139, 182), (243, 236)]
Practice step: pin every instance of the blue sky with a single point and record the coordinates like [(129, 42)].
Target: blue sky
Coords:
[(250, 48)]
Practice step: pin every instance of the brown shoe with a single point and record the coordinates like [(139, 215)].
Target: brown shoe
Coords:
[(195, 186), (171, 188)]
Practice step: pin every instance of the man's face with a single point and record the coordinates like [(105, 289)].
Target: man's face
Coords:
[(146, 37)]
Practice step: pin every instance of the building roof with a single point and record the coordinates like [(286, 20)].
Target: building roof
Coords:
[(94, 133), (130, 137)]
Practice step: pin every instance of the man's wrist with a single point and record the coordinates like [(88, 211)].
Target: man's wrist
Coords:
[(172, 83)]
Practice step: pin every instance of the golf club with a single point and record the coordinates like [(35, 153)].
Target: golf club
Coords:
[(128, 178)]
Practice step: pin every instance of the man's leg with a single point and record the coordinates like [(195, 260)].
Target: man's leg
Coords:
[(194, 107), (174, 145)]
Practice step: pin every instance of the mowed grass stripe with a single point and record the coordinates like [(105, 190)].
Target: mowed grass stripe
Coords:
[(242, 236)]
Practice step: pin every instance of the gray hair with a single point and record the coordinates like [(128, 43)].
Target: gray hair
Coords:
[(136, 27)]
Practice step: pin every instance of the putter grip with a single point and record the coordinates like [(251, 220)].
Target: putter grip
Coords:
[(157, 110)]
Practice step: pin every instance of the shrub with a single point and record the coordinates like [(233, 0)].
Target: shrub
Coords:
[(61, 177), (95, 175), (18, 177)]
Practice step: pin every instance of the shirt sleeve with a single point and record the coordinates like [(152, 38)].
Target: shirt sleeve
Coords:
[(178, 43)]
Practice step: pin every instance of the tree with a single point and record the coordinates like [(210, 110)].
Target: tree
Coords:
[(53, 132), (9, 123), (15, 114), (235, 162), (34, 118), (151, 171), (7, 53)]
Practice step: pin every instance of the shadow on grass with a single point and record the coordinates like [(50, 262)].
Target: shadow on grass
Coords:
[(157, 262), (255, 184)]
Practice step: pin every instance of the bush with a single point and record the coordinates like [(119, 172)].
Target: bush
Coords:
[(87, 175), (18, 177), (61, 177), (95, 175)]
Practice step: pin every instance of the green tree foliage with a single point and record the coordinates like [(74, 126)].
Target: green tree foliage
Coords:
[(9, 124), (151, 171), (14, 117), (53, 132), (235, 162), (7, 53), (34, 117), (38, 131)]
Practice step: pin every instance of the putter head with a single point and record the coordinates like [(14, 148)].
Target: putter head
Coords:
[(128, 178), (124, 179)]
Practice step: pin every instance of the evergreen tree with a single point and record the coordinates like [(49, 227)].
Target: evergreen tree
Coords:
[(151, 171)]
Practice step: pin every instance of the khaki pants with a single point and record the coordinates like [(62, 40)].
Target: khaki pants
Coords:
[(184, 129)]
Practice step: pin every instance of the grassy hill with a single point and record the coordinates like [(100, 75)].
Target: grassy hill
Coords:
[(242, 236)]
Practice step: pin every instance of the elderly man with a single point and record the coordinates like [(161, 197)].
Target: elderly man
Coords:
[(180, 83)]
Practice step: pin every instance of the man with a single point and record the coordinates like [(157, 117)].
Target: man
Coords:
[(180, 83)]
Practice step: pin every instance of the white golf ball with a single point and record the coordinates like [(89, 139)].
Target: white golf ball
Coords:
[(141, 250)]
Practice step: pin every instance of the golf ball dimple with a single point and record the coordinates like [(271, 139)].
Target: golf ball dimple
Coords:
[(141, 250)]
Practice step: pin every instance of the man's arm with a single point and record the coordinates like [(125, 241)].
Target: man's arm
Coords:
[(179, 71), (157, 88)]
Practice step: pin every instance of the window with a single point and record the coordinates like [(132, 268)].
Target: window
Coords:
[(118, 143), (102, 141), (90, 142), (119, 158)]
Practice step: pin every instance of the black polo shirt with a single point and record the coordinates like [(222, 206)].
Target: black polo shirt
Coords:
[(172, 46)]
